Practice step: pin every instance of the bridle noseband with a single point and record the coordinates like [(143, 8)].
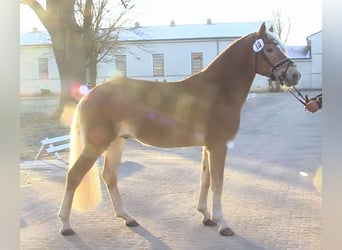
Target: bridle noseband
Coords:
[(286, 61)]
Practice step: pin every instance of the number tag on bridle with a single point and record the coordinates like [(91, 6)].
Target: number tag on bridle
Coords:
[(258, 45)]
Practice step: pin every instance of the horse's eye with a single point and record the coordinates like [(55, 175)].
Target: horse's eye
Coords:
[(269, 50)]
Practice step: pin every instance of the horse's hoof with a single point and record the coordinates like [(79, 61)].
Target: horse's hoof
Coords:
[(67, 232), (132, 223), (209, 223), (226, 232)]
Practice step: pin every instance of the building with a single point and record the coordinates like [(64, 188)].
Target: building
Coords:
[(162, 53), (315, 44)]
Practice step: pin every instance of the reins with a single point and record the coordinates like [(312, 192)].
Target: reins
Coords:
[(298, 94)]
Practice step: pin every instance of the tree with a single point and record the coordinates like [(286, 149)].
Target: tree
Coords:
[(281, 28), (100, 39), (80, 38)]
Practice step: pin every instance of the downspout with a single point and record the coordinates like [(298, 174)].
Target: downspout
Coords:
[(217, 47)]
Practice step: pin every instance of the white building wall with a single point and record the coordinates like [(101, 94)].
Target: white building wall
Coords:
[(223, 44), (177, 58), (177, 63), (139, 61), (316, 62), (29, 70), (304, 66), (105, 71), (316, 43)]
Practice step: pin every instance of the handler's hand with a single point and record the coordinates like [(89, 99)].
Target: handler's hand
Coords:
[(312, 106)]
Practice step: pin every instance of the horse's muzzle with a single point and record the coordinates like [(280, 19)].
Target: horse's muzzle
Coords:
[(292, 76), (287, 75)]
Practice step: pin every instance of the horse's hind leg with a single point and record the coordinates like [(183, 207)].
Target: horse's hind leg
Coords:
[(74, 177), (205, 184), (110, 176)]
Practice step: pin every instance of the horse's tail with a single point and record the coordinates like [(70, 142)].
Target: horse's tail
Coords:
[(88, 193)]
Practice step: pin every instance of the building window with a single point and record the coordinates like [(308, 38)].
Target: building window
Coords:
[(196, 62), (121, 65), (43, 67), (158, 64)]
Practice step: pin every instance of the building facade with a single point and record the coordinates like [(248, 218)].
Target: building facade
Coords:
[(162, 53)]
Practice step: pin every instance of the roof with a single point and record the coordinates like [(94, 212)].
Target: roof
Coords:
[(35, 38), (318, 33), (191, 31), (298, 52), (169, 32), (178, 32)]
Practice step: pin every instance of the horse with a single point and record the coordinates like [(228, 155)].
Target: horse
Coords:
[(203, 109)]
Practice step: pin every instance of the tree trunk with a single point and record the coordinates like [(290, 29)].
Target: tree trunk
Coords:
[(67, 44), (75, 47), (92, 67), (89, 39), (69, 54)]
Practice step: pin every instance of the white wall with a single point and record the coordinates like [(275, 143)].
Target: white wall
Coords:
[(177, 58), (304, 66), (29, 71), (177, 63), (316, 62)]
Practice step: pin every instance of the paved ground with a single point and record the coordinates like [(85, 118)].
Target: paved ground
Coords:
[(267, 198)]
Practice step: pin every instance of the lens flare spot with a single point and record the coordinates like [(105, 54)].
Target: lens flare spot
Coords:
[(118, 73), (152, 116), (75, 90), (84, 89), (317, 181), (230, 144), (68, 112), (304, 174)]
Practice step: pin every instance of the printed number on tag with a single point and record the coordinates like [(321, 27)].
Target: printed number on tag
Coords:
[(258, 45)]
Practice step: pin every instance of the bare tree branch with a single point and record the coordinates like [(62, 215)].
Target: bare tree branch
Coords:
[(124, 3), (38, 10), (280, 27)]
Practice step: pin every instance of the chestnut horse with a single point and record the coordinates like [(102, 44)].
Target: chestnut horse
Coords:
[(201, 110)]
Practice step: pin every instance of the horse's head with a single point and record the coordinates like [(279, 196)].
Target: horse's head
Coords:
[(271, 59)]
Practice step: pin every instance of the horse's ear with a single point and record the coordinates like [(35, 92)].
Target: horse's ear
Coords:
[(262, 29), (271, 29)]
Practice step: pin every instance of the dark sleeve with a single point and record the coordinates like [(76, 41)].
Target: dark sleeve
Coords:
[(319, 100)]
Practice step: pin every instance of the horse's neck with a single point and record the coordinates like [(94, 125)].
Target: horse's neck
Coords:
[(233, 70)]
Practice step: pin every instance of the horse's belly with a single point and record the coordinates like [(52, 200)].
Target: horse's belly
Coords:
[(161, 136), (171, 141)]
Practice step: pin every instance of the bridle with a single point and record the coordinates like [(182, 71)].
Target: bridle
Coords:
[(274, 67)]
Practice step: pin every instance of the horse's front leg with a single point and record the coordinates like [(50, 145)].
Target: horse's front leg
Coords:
[(205, 184), (217, 156)]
